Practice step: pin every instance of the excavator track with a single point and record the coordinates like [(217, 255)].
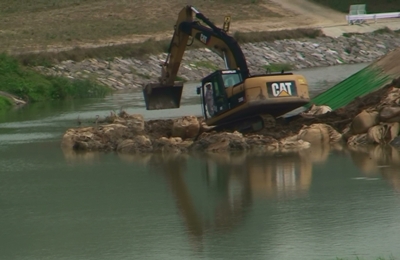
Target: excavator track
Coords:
[(248, 125)]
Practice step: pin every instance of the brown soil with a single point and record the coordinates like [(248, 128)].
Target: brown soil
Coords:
[(390, 63), (159, 128), (92, 23)]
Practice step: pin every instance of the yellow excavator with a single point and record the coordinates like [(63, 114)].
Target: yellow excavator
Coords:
[(231, 97)]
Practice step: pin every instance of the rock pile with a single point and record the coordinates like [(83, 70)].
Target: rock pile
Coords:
[(131, 73), (362, 122), (131, 134), (378, 124)]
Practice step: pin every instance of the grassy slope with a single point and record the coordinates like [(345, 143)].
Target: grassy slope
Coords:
[(32, 86), (5, 103), (372, 6)]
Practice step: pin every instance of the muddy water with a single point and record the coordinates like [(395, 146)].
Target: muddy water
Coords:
[(318, 204)]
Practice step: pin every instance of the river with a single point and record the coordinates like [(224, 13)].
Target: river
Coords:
[(321, 203)]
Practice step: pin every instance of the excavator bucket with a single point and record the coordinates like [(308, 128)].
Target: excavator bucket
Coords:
[(158, 96)]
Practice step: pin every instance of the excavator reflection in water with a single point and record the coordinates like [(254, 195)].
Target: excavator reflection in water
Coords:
[(231, 97), (229, 183)]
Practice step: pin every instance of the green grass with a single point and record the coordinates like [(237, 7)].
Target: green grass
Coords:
[(178, 78), (33, 86), (385, 30), (5, 103), (277, 67), (372, 6), (137, 50)]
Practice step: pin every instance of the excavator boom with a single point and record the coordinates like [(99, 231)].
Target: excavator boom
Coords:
[(167, 92)]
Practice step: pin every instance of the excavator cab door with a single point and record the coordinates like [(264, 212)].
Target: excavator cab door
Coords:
[(214, 95)]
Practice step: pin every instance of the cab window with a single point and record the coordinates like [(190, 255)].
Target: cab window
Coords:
[(231, 79)]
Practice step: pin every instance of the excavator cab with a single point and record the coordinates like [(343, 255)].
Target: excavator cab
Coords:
[(214, 91)]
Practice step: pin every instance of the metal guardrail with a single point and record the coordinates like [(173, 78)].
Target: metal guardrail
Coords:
[(359, 18)]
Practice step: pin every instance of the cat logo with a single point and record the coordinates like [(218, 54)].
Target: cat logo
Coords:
[(282, 89), (203, 38)]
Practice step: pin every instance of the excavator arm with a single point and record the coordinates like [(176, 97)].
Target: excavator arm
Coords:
[(167, 93)]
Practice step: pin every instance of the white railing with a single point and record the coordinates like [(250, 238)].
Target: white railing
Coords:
[(358, 18)]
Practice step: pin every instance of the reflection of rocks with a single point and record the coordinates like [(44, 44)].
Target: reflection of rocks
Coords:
[(287, 176), (73, 156), (393, 176), (370, 158), (135, 158), (381, 159), (316, 153)]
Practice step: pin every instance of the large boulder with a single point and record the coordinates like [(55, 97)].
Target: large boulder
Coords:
[(135, 122), (363, 121), (159, 128), (292, 143), (186, 127), (138, 144), (85, 139), (389, 114), (103, 137), (392, 98), (262, 143), (355, 140), (319, 134), (383, 133), (113, 132)]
